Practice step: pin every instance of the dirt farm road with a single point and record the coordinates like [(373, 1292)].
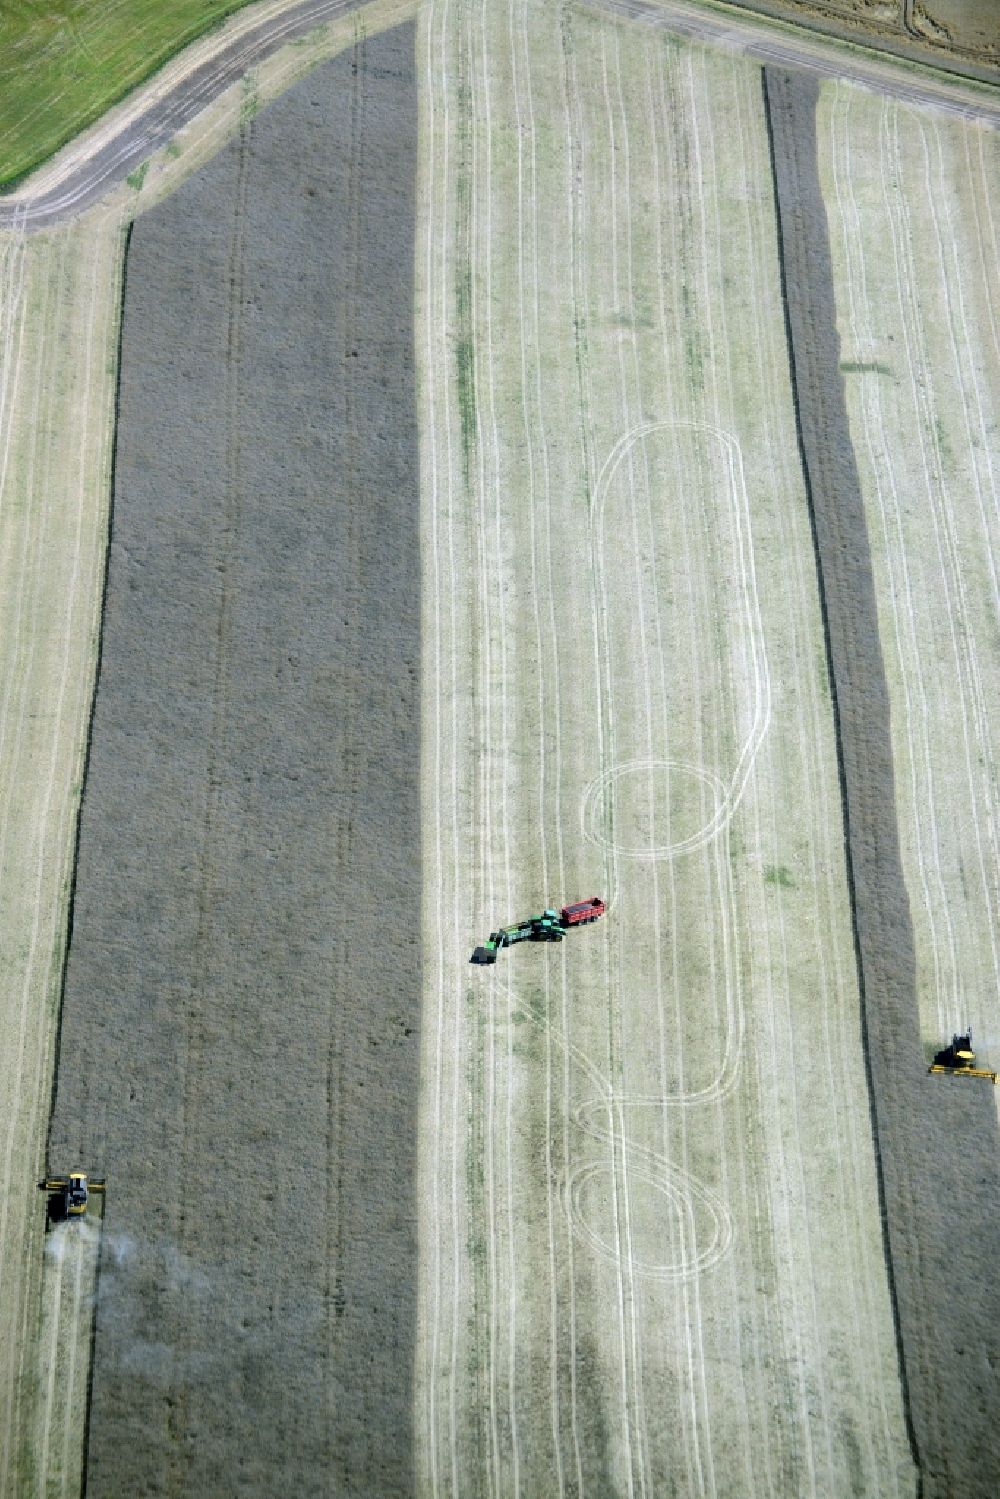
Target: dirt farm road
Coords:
[(806, 51), (79, 178), (115, 153)]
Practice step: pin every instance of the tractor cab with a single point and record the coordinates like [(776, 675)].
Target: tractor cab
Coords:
[(958, 1054)]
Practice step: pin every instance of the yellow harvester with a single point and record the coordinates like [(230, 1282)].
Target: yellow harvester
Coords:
[(69, 1195), (960, 1059)]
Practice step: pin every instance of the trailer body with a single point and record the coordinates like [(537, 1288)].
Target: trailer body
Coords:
[(583, 911)]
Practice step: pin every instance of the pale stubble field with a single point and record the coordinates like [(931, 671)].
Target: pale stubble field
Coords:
[(650, 1251), (58, 332), (651, 1260), (914, 233)]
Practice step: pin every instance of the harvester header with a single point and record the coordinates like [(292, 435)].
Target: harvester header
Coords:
[(549, 926)]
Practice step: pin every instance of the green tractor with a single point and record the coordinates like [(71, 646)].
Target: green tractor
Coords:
[(544, 928), (550, 926)]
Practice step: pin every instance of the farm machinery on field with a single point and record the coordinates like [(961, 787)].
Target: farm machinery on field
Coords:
[(960, 1060), (550, 926), (68, 1195)]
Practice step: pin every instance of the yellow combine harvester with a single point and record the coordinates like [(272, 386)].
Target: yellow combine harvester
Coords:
[(69, 1195), (960, 1059)]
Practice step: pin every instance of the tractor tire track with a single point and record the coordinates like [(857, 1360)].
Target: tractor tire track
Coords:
[(211, 871), (923, 1134), (451, 638), (54, 679), (538, 492)]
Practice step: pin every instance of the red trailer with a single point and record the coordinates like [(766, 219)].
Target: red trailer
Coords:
[(584, 910)]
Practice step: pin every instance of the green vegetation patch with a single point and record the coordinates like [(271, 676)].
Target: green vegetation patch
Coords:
[(859, 367), (64, 63)]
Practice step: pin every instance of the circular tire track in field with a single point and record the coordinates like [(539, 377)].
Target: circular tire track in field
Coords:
[(702, 1220), (604, 787)]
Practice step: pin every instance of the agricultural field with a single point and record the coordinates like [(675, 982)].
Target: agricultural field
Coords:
[(920, 334), (238, 997), (654, 1259), (544, 454), (62, 65), (923, 1134), (960, 35), (918, 316), (59, 329), (58, 334), (69, 1285)]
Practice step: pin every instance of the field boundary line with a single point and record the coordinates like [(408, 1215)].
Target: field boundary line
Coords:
[(89, 736), (842, 774)]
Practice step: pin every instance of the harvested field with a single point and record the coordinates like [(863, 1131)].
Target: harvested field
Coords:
[(960, 35), (920, 333), (679, 1198), (243, 985), (58, 316), (65, 1336), (651, 1260), (918, 318)]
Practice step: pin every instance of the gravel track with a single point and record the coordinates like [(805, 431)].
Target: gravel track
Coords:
[(239, 1048), (936, 1139)]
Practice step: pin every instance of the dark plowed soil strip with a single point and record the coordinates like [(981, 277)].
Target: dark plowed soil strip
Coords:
[(239, 1049), (936, 1138)]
